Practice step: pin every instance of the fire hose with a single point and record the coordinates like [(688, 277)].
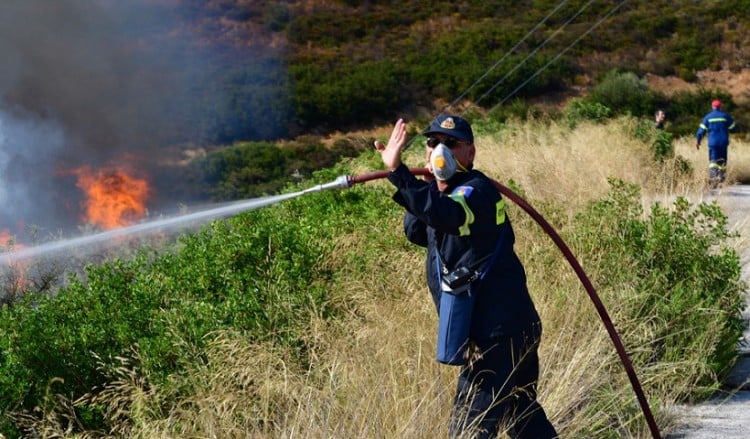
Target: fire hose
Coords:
[(348, 181), (344, 182)]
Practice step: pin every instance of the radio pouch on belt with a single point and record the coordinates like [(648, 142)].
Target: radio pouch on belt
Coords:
[(456, 306), (453, 326)]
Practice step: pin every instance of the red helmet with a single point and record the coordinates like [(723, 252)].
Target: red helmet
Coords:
[(716, 103)]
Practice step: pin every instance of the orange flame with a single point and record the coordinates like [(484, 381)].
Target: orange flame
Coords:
[(114, 199), (14, 280)]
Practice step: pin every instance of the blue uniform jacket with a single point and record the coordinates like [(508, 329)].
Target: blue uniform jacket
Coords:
[(464, 224), (718, 125)]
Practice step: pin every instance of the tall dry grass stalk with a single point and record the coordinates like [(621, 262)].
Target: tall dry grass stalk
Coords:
[(373, 374)]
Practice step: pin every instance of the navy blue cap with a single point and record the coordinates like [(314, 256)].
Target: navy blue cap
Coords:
[(451, 125)]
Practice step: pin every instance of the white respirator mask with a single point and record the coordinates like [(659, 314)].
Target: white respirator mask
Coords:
[(444, 163)]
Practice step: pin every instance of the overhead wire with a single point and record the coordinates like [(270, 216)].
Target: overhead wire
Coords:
[(533, 52), (507, 54), (494, 66), (540, 70), (520, 63)]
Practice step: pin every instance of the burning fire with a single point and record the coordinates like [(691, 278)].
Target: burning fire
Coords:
[(114, 199), (14, 278), (7, 239)]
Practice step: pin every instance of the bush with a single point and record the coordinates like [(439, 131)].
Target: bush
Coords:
[(661, 141), (624, 93), (261, 273), (578, 110), (681, 274), (252, 169), (662, 145), (345, 94), (694, 52)]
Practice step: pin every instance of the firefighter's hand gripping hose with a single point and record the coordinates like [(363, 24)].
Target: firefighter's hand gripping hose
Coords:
[(348, 181)]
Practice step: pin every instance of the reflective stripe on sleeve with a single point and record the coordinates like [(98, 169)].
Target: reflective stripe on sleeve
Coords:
[(500, 211), (459, 198)]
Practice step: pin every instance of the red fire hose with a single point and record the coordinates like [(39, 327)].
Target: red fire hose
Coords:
[(606, 320)]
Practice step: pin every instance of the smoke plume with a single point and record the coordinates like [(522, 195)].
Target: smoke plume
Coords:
[(95, 82)]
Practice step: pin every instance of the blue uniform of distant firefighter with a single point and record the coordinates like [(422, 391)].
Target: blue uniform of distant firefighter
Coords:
[(716, 127), (487, 322)]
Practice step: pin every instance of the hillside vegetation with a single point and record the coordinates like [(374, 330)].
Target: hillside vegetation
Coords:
[(311, 317), (333, 67), (317, 66)]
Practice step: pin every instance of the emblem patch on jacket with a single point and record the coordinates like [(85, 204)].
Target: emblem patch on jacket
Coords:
[(463, 191)]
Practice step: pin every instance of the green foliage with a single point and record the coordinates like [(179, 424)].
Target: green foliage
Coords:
[(261, 273), (577, 110), (623, 93), (349, 63), (661, 141), (488, 125), (350, 147), (680, 274), (345, 94), (694, 53), (663, 146), (264, 272), (241, 171), (516, 109), (252, 169), (237, 101)]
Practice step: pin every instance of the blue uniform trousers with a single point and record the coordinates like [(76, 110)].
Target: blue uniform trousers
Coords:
[(498, 390), (717, 162)]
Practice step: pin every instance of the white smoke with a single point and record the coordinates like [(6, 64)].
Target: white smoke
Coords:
[(27, 186), (97, 82), (108, 71), (84, 82)]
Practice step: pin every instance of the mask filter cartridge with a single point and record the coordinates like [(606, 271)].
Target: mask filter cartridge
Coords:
[(443, 162)]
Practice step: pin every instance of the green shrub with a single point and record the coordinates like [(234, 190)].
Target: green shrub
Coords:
[(662, 146), (261, 273), (350, 147), (577, 110), (252, 169), (680, 274), (661, 141), (623, 93), (346, 93), (694, 52)]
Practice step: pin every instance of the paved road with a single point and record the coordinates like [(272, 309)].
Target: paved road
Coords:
[(727, 416)]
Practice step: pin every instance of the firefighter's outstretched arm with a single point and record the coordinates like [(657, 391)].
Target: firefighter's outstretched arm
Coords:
[(391, 153)]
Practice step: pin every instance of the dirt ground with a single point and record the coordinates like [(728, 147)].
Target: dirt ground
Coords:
[(735, 83)]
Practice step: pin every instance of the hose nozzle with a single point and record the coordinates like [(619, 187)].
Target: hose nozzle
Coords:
[(341, 182)]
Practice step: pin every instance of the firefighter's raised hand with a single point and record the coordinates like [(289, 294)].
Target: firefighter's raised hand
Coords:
[(391, 153)]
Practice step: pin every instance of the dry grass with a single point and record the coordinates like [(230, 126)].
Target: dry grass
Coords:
[(374, 375)]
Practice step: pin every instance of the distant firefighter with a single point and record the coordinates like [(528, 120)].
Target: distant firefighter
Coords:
[(716, 125), (660, 119)]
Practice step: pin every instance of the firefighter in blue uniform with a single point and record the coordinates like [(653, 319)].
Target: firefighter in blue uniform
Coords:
[(716, 125), (487, 322)]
